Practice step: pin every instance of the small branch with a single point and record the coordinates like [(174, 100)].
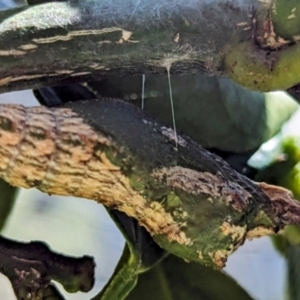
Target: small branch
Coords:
[(30, 267)]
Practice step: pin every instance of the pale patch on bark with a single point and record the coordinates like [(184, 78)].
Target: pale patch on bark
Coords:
[(56, 152), (104, 42), (237, 233), (296, 38), (28, 47), (64, 71), (170, 134), (80, 73), (96, 66), (5, 80), (76, 33), (213, 186), (171, 59), (292, 15), (27, 77), (242, 24), (220, 256), (268, 36), (200, 255), (176, 38), (258, 232), (264, 1), (126, 37), (12, 52)]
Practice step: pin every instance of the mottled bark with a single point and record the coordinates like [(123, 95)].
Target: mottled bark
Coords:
[(30, 268), (57, 43), (191, 201)]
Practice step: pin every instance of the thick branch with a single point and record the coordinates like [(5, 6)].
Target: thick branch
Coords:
[(191, 201), (57, 43)]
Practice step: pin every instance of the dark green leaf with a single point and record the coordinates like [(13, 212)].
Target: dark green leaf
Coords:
[(174, 279), (215, 112), (140, 253), (8, 196), (293, 259)]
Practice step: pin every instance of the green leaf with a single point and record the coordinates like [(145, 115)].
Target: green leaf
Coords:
[(279, 107), (8, 195), (123, 280), (52, 293), (215, 112), (174, 279), (285, 172), (293, 262), (140, 254)]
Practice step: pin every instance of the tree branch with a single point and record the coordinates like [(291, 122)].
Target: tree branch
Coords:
[(191, 201), (58, 43)]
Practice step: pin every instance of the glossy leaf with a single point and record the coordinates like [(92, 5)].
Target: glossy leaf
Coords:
[(215, 112), (140, 254), (175, 279)]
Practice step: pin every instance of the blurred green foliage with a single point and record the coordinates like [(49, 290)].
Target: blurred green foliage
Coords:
[(285, 172), (175, 279)]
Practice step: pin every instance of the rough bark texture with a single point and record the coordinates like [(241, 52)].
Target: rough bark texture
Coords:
[(57, 43), (191, 202), (254, 42)]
